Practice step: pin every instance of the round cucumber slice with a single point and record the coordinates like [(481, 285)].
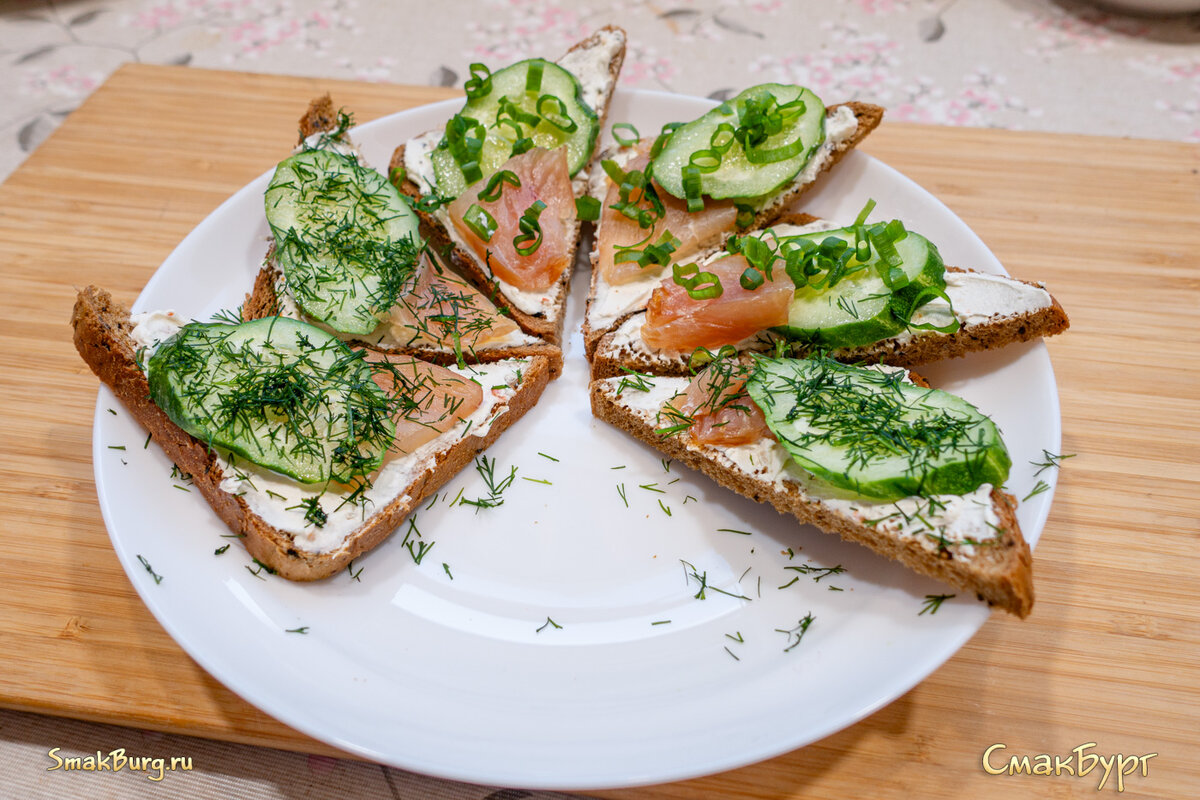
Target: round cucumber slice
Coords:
[(549, 110), (738, 175), (859, 309), (345, 239), (279, 392), (874, 434)]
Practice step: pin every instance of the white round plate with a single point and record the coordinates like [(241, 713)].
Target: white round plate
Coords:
[(557, 641)]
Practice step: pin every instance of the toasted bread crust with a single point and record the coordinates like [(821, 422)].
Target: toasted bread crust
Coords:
[(548, 326), (320, 116), (868, 116), (102, 337), (1002, 574), (264, 302), (925, 348)]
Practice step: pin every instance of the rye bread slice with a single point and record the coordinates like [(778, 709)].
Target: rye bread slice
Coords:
[(777, 210), (1001, 573), (263, 301), (103, 338), (547, 324), (613, 355)]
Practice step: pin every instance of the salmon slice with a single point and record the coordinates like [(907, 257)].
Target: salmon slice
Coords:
[(544, 176), (432, 399), (718, 408), (677, 323), (441, 307), (693, 231)]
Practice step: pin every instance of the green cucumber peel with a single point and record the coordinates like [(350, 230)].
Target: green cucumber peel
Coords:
[(872, 433)]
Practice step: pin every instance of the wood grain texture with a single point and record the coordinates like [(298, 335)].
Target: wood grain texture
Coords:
[(1110, 655)]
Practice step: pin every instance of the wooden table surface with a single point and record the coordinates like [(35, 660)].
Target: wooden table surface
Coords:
[(1111, 654)]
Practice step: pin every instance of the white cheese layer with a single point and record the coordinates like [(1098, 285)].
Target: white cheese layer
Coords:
[(388, 335), (611, 302), (959, 520), (839, 127), (277, 499), (590, 66), (976, 298)]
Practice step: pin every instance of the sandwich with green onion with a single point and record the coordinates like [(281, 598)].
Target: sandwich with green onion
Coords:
[(874, 292), (503, 185), (677, 196), (347, 255)]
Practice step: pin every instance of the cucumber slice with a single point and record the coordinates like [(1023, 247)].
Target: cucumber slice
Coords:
[(510, 85), (737, 176), (859, 309), (281, 393), (872, 433), (345, 239)]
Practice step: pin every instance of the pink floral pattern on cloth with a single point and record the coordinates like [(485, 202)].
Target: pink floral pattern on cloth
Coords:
[(1061, 66)]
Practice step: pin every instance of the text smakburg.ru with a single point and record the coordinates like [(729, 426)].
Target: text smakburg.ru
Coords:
[(117, 760)]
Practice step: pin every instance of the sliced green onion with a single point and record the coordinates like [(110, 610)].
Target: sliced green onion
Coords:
[(510, 112), (903, 310), (745, 215), (464, 138), (751, 279), (705, 160), (757, 155), (691, 188), (626, 141), (648, 209), (587, 208), (723, 138), (495, 185), (664, 136), (558, 117), (529, 239), (533, 78), (522, 145), (480, 83), (480, 221), (862, 245), (657, 254), (699, 285), (866, 212)]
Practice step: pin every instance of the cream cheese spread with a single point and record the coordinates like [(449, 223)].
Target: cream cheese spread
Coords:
[(976, 298), (959, 520), (152, 328), (589, 65), (610, 302), (278, 500), (839, 127), (389, 335)]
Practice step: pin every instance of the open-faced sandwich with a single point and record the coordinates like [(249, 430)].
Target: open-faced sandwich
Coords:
[(871, 454), (676, 197), (873, 292), (499, 184), (313, 452), (348, 256)]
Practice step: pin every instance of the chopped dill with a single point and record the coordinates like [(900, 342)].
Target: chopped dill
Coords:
[(549, 623), (797, 633), (933, 602)]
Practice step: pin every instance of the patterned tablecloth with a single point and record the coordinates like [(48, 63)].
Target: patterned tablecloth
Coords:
[(1047, 65)]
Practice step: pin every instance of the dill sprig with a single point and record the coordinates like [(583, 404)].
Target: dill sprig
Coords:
[(496, 488), (796, 633), (933, 602)]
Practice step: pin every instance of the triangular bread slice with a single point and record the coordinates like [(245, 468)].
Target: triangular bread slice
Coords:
[(103, 337), (849, 124), (270, 296), (996, 564), (993, 311), (596, 63)]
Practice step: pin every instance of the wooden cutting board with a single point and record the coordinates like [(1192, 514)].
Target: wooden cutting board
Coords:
[(1111, 654)]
